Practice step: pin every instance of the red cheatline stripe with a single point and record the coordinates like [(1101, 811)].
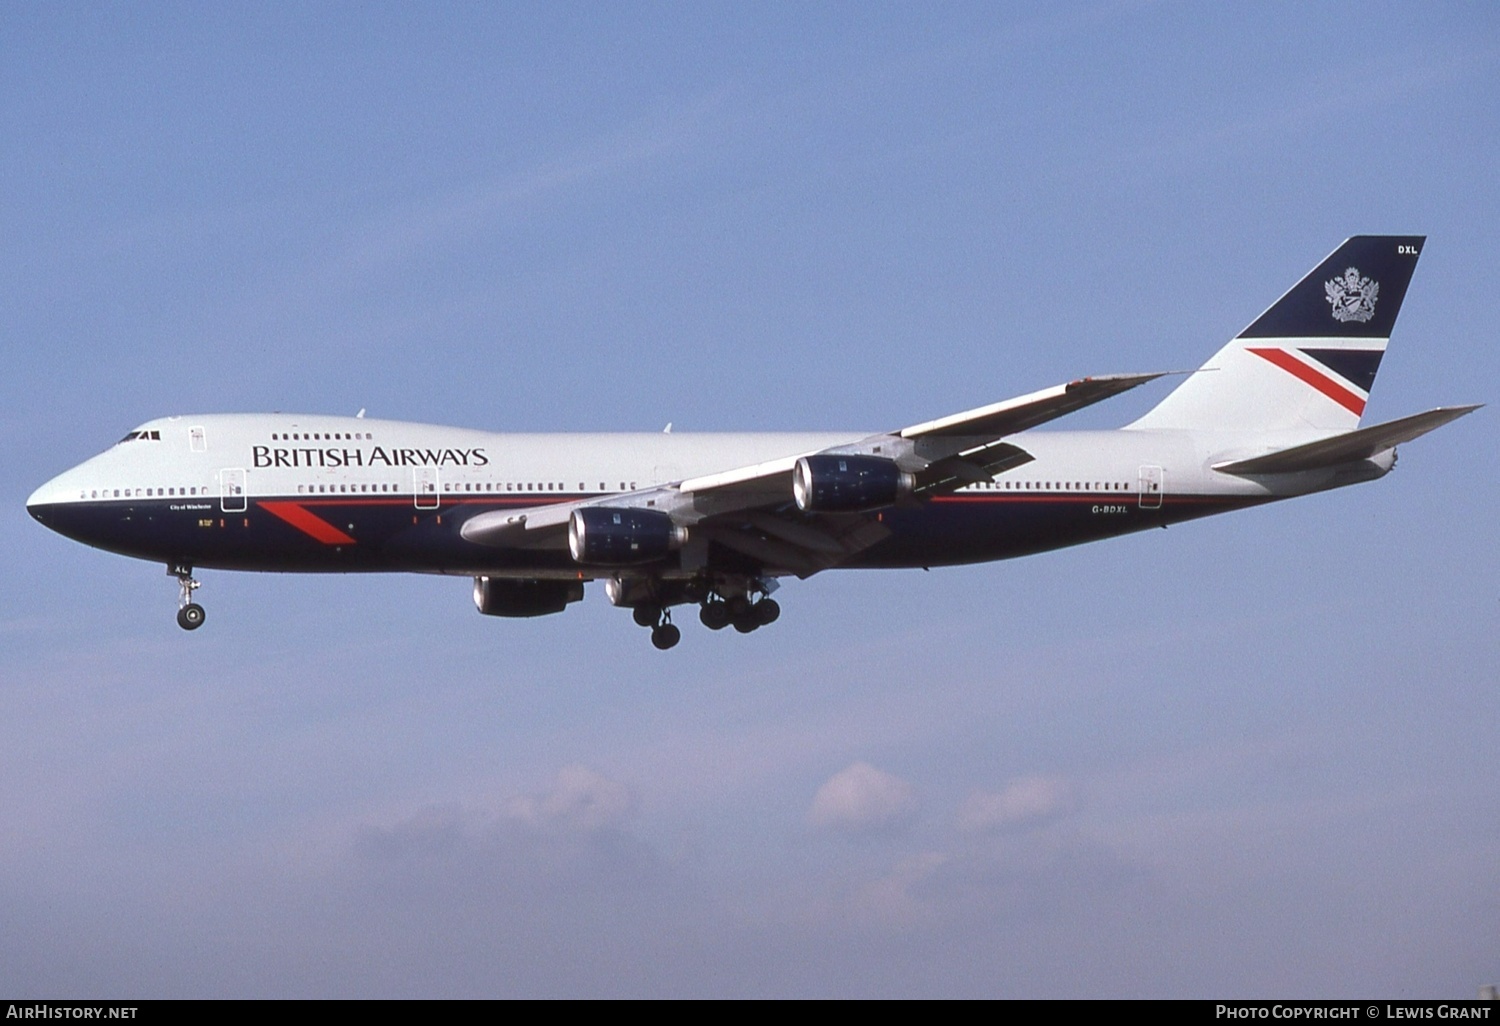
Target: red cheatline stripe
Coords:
[(1322, 382), (307, 523)]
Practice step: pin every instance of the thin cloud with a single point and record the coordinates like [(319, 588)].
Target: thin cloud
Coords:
[(891, 899), (863, 799), (581, 799), (1025, 801), (439, 220)]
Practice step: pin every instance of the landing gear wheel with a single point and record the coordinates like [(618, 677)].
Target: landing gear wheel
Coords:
[(766, 611), (737, 606), (646, 616), (747, 623), (714, 615), (665, 636), (189, 613)]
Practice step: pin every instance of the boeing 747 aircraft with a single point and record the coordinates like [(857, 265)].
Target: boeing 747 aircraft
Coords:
[(714, 520)]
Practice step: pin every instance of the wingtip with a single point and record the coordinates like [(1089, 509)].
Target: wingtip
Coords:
[(1124, 380), (1454, 412)]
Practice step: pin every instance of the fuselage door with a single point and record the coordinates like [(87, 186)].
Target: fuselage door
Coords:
[(425, 487), (232, 490), (197, 439), (1153, 485)]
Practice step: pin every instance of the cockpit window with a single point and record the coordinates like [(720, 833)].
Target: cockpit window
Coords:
[(141, 436)]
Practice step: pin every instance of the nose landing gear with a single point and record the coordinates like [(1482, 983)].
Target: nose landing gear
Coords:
[(190, 615)]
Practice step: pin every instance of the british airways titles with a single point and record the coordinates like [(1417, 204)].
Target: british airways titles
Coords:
[(267, 456)]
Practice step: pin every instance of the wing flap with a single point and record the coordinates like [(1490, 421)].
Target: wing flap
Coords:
[(801, 535), (972, 466), (802, 545), (1348, 447)]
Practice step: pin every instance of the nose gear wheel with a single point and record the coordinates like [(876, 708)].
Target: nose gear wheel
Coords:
[(190, 615)]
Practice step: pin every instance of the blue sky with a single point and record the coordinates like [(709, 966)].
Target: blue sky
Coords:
[(1248, 756)]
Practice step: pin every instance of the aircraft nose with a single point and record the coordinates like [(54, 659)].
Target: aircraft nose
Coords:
[(40, 502)]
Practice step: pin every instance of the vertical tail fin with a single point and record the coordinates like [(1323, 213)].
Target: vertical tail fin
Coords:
[(1309, 362)]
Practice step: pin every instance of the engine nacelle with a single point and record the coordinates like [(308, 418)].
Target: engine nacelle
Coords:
[(500, 596), (600, 536), (653, 591), (848, 484)]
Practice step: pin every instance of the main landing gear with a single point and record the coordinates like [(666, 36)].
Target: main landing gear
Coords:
[(738, 611), (743, 603), (190, 615), (664, 633)]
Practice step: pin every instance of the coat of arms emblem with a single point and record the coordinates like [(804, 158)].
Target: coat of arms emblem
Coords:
[(1352, 297)]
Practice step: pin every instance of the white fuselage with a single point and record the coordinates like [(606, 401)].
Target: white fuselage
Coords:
[(176, 488)]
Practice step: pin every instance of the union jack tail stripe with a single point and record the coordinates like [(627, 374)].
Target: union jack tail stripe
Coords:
[(1338, 388)]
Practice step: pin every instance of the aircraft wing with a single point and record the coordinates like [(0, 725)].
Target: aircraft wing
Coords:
[(951, 451), (1028, 411), (750, 509)]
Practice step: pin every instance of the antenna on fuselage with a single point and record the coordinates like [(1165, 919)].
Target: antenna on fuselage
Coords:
[(668, 429), (361, 414)]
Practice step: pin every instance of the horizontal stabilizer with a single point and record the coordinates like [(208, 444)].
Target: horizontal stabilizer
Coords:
[(1346, 448)]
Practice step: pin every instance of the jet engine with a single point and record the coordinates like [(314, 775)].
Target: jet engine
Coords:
[(848, 484), (601, 536), (499, 596), (636, 591)]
